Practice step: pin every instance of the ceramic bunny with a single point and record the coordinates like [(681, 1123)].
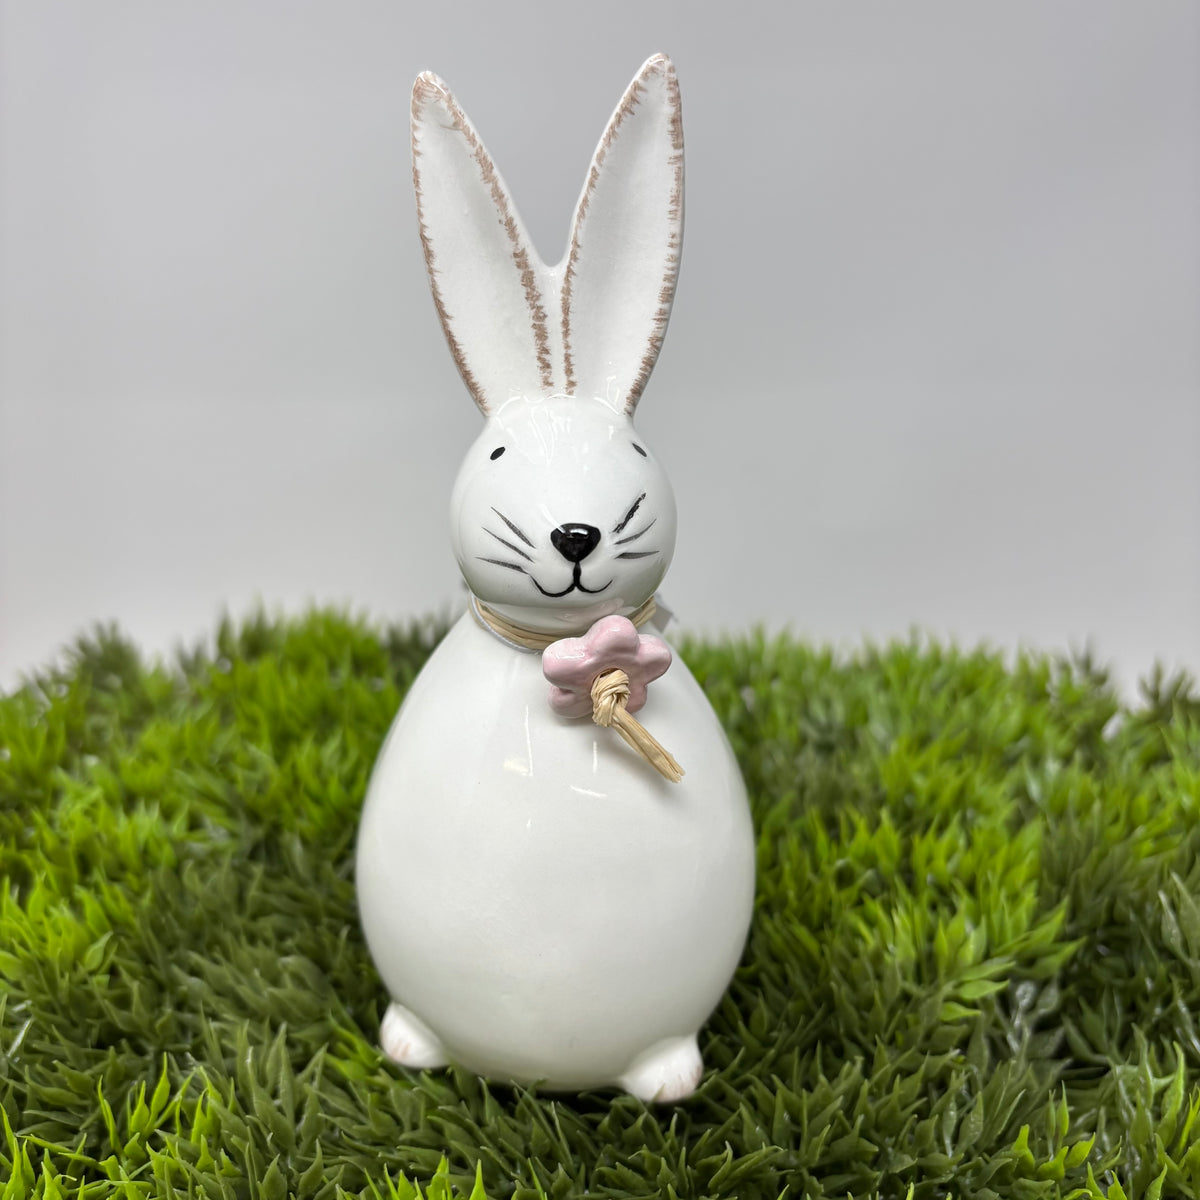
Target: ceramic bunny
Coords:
[(543, 904)]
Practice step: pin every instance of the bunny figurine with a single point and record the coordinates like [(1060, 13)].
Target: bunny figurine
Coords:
[(545, 902)]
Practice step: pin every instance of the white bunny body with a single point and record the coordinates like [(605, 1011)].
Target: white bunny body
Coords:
[(544, 901), (541, 904)]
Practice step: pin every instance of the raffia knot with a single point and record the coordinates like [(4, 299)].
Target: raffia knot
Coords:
[(610, 690), (610, 695)]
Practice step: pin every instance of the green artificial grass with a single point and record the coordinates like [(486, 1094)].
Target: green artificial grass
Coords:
[(974, 968)]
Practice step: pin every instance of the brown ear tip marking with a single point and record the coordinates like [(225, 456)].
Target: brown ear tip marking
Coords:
[(660, 67), (427, 85)]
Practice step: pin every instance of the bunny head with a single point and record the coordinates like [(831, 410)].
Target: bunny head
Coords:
[(560, 514)]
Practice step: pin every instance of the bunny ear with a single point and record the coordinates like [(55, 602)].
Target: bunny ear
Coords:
[(487, 279), (623, 259)]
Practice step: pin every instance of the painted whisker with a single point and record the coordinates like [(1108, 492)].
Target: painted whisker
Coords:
[(633, 537), (508, 545), (499, 562), (514, 528)]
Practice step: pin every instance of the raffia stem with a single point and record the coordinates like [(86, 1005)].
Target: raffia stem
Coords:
[(610, 695)]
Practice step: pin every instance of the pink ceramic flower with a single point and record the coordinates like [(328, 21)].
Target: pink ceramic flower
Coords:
[(572, 663)]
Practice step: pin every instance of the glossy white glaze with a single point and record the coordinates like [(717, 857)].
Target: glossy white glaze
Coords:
[(541, 904), (566, 461), (544, 901)]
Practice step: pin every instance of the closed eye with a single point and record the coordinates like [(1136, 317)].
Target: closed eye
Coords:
[(629, 515)]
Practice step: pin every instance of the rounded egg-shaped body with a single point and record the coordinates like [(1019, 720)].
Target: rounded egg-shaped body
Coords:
[(533, 891)]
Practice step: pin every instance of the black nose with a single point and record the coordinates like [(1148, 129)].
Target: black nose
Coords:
[(575, 542)]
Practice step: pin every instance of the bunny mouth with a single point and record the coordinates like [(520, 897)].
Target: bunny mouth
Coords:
[(576, 585)]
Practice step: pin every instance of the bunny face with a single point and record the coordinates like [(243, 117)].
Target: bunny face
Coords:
[(561, 514)]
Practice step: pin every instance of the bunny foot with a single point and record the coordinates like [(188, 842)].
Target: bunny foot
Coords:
[(667, 1072), (409, 1041)]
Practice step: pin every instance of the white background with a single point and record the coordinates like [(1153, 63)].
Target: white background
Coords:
[(934, 362)]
